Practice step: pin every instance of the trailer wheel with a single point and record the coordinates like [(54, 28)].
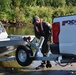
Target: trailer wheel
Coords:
[(23, 54)]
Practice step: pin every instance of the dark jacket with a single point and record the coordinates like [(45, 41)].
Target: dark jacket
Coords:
[(43, 29)]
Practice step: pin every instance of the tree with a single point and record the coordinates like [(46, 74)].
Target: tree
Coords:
[(40, 3), (57, 3), (71, 2), (29, 2), (47, 2), (5, 5)]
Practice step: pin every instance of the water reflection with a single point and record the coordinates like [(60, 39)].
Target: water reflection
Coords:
[(19, 31)]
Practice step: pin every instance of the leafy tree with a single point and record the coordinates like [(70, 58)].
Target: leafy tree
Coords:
[(29, 2), (57, 3), (47, 2), (40, 3), (5, 5), (17, 3), (71, 2)]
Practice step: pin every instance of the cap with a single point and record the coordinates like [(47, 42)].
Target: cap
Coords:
[(35, 18)]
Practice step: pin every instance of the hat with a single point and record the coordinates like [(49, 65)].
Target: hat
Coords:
[(35, 18)]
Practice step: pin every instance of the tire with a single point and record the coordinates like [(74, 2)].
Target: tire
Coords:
[(23, 54)]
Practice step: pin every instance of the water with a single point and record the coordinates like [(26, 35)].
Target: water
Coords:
[(20, 31)]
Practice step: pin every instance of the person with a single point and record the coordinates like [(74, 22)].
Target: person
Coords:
[(42, 29)]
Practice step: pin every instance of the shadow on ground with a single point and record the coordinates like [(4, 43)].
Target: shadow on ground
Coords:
[(36, 72), (49, 72)]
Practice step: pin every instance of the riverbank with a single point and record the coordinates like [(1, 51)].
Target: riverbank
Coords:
[(13, 24), (18, 28)]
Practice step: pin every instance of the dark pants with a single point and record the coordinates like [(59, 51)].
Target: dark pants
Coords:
[(45, 47)]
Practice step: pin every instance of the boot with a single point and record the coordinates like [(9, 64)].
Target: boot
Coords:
[(43, 65), (48, 65)]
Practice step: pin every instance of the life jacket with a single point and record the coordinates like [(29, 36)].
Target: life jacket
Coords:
[(40, 22)]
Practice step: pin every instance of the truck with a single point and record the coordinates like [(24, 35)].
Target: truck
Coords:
[(64, 38)]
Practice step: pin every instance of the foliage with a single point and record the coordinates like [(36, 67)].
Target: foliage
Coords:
[(23, 10)]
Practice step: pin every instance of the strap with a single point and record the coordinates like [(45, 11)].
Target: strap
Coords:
[(37, 29), (42, 27)]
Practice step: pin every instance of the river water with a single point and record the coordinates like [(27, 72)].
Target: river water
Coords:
[(19, 31)]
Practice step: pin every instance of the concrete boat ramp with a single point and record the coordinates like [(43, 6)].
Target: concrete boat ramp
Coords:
[(55, 70)]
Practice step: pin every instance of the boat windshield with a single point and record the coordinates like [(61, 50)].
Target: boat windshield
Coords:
[(2, 29)]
